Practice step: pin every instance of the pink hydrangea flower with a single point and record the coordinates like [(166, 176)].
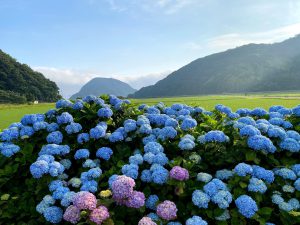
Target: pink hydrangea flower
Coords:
[(146, 221), (72, 214), (179, 173), (85, 200), (167, 210), (136, 200), (99, 215), (122, 187)]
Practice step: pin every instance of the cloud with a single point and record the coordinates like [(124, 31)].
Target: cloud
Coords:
[(232, 40), (70, 81), (165, 6)]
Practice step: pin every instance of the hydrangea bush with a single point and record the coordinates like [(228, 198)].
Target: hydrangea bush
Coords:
[(106, 161)]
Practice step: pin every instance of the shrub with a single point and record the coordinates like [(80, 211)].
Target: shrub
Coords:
[(104, 161)]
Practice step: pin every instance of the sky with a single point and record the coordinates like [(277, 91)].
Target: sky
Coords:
[(136, 41)]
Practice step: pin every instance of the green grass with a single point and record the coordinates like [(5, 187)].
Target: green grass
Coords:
[(13, 113)]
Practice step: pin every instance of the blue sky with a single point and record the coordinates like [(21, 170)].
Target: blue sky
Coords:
[(138, 41)]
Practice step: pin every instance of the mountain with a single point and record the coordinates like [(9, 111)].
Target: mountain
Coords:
[(249, 68), (99, 86), (20, 84)]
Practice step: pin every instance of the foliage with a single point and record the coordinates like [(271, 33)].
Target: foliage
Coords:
[(151, 165), (21, 81), (11, 97)]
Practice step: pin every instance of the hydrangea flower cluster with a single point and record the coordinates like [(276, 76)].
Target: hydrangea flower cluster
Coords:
[(106, 161)]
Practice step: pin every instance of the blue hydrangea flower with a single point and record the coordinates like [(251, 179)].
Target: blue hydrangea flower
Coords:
[(257, 185), (146, 176), (249, 130), (222, 198), (97, 132), (294, 203), (277, 132), (186, 144), (167, 132), (136, 159), (129, 125), (52, 127), (145, 129), (258, 112), (262, 173), (246, 120), (151, 202), (105, 112), (195, 220), (204, 177), (104, 153), (55, 184), (246, 206), (224, 174), (68, 198), (286, 173), (63, 103), (8, 149), (55, 137), (285, 206), (26, 131), (64, 118), (55, 169), (277, 199), (153, 147), (214, 186), (73, 128), (82, 154), (116, 136), (89, 98), (293, 134), (296, 110), (94, 173), (54, 149), (188, 123), (75, 182), (216, 136), (290, 144), (160, 159), (243, 169), (89, 164), (9, 134), (200, 199), (53, 214), (59, 192), (261, 143), (131, 170), (171, 122), (159, 174), (78, 105), (83, 137), (288, 188), (39, 168), (40, 126)]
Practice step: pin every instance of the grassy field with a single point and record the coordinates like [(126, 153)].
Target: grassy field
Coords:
[(13, 113)]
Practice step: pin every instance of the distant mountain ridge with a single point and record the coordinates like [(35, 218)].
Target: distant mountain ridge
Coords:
[(20, 84), (99, 86), (249, 68)]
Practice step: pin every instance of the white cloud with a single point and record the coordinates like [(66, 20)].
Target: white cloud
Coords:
[(232, 40), (165, 6), (70, 80)]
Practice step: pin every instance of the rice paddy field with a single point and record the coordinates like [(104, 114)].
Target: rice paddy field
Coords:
[(13, 113)]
